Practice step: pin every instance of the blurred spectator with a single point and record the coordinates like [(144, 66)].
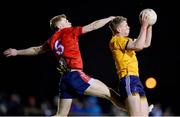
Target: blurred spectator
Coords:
[(46, 108), (117, 112), (54, 104), (14, 106), (76, 108), (92, 107), (86, 106), (3, 109), (157, 110), (3, 105), (32, 109), (168, 112)]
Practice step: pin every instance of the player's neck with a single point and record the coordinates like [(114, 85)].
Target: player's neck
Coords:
[(118, 35)]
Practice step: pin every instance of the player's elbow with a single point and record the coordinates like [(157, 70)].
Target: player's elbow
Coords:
[(135, 47), (138, 47), (37, 50), (147, 45)]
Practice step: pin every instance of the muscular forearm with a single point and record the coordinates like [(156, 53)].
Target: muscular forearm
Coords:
[(30, 51), (148, 37), (141, 38), (97, 24), (100, 23)]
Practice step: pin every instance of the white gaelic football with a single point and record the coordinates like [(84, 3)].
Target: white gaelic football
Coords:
[(151, 14)]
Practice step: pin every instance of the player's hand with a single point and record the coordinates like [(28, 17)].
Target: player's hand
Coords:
[(144, 19), (112, 17), (10, 52)]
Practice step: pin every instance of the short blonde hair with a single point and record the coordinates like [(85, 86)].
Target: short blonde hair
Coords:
[(55, 19), (113, 24)]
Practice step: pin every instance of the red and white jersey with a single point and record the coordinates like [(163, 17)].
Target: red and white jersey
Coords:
[(65, 43)]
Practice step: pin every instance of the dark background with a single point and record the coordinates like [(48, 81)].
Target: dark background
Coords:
[(26, 23)]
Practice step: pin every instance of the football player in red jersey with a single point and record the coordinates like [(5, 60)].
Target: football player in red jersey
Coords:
[(73, 81)]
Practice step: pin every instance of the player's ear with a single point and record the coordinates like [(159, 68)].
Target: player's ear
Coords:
[(118, 29)]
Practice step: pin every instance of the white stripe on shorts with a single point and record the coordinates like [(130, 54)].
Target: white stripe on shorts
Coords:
[(91, 81)]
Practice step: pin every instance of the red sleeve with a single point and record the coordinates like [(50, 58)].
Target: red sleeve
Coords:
[(78, 30)]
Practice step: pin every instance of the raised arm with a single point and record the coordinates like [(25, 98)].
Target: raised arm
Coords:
[(148, 37), (27, 52), (96, 24), (139, 43)]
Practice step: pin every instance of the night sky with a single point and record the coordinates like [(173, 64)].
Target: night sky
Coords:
[(26, 23)]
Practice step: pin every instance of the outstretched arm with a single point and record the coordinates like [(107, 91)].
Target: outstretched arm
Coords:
[(96, 24), (28, 52)]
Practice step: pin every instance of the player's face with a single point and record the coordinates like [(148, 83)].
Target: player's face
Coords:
[(124, 28), (64, 23)]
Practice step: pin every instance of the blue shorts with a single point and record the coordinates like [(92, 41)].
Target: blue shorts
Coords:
[(130, 85), (73, 84)]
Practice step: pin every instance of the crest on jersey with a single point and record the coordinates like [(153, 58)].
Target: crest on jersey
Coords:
[(58, 47)]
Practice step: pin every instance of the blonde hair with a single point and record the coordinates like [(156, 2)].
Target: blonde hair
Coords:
[(113, 24), (55, 19)]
